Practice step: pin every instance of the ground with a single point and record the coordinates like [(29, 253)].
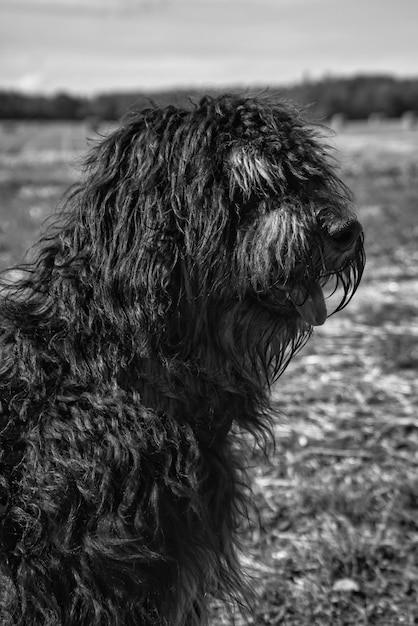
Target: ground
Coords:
[(337, 538)]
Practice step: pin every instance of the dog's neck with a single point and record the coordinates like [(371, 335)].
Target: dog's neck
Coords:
[(209, 399)]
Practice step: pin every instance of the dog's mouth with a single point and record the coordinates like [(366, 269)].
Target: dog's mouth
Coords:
[(307, 299), (316, 290), (309, 302), (315, 299)]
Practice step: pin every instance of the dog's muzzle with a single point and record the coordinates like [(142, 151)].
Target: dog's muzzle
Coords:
[(309, 300), (345, 235)]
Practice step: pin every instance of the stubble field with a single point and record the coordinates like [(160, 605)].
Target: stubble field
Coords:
[(336, 543)]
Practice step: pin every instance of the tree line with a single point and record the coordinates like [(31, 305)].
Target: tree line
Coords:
[(356, 97)]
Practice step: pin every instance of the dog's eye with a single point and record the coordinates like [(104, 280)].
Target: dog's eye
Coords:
[(248, 207)]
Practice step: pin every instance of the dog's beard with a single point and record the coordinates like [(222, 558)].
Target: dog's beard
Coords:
[(296, 306), (321, 292), (341, 284), (261, 337), (312, 301)]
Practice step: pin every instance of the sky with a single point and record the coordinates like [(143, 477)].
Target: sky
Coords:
[(95, 46)]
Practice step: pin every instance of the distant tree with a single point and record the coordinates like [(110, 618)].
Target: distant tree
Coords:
[(356, 97), (66, 107), (12, 105)]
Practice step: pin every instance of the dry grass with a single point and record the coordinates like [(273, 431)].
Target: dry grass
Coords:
[(337, 542)]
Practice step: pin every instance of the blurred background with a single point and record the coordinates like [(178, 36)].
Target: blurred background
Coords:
[(79, 53), (337, 542)]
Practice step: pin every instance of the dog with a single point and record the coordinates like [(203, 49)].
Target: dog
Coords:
[(138, 347)]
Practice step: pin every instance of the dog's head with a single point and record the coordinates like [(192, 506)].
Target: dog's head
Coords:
[(221, 224)]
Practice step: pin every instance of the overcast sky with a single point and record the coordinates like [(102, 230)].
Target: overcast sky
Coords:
[(88, 46)]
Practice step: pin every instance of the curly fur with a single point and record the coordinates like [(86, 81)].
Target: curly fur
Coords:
[(139, 343)]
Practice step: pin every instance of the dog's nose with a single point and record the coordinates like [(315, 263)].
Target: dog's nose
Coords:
[(345, 234)]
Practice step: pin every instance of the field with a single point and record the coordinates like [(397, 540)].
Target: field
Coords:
[(336, 543)]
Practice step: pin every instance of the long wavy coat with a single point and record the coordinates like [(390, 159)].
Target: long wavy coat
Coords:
[(184, 271)]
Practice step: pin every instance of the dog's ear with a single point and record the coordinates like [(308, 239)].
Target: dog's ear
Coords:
[(126, 229)]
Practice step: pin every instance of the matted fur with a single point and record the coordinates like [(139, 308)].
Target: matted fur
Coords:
[(141, 341)]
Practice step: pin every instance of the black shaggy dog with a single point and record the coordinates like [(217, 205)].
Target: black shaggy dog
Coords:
[(184, 272)]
